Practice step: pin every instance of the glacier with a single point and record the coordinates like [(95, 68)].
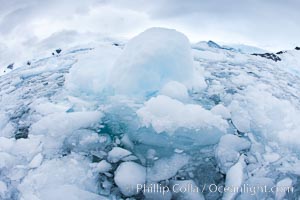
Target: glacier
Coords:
[(97, 120)]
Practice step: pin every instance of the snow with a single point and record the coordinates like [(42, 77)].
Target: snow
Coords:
[(245, 48), (163, 55), (128, 175), (291, 59), (116, 154)]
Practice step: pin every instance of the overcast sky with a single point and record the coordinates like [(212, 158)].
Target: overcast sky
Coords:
[(270, 24)]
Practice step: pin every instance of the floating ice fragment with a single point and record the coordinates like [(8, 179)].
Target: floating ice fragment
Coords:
[(3, 189), (235, 176), (116, 154), (284, 184), (165, 168), (36, 161), (165, 114), (228, 150), (103, 166), (221, 110), (128, 176)]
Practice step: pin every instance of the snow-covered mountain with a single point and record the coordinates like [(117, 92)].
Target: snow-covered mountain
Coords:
[(241, 48), (150, 119)]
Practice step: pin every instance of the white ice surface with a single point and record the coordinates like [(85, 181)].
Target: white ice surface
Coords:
[(165, 168), (127, 177), (163, 55), (234, 179), (165, 114), (116, 154), (67, 177), (89, 76)]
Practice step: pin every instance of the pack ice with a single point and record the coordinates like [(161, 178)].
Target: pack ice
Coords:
[(99, 121)]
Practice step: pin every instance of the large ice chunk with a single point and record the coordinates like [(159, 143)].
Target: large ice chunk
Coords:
[(65, 178), (266, 115), (58, 126), (151, 59), (58, 123), (234, 179), (90, 74), (228, 150), (165, 114), (22, 148)]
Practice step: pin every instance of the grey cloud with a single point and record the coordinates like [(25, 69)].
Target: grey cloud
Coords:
[(266, 23)]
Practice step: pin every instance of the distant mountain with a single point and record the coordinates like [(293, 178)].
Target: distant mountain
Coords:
[(245, 48), (241, 48)]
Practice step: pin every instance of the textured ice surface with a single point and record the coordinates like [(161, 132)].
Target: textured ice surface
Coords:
[(67, 133), (116, 154), (128, 176), (175, 90), (228, 150), (67, 177), (163, 55), (89, 76), (165, 168), (165, 114), (234, 178)]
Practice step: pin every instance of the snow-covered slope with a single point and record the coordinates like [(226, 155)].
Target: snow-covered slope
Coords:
[(240, 48), (109, 122)]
